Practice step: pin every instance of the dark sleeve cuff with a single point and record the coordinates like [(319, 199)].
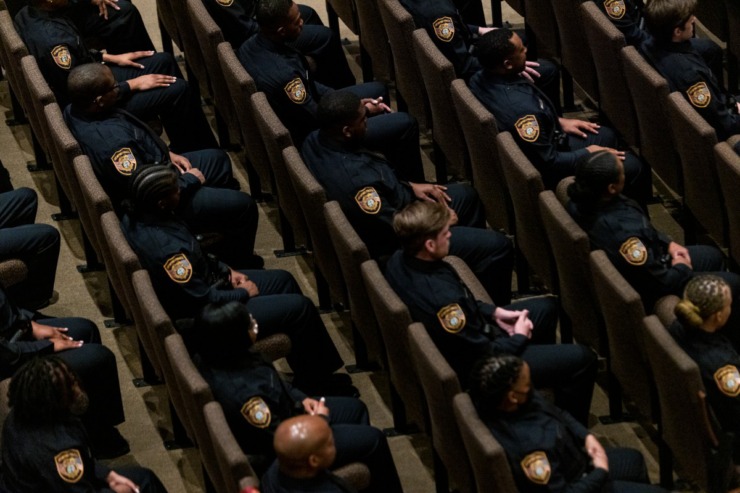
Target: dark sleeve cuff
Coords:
[(124, 90)]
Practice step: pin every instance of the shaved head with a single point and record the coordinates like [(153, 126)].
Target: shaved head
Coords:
[(304, 446)]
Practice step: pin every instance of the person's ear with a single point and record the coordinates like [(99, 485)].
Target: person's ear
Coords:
[(507, 64), (347, 132), (511, 397), (314, 461), (430, 245), (612, 189)]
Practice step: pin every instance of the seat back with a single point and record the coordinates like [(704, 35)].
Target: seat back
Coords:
[(571, 247), (713, 15), (40, 95), (649, 92), (351, 253), (665, 309), (578, 61), (561, 191), (440, 384), (63, 152), (525, 184), (168, 20), (487, 457), (728, 172), (312, 197), (345, 10), (438, 73), (12, 272), (623, 312), (4, 408), (374, 39), (606, 42), (541, 21), (479, 129), (196, 65), (400, 25), (394, 319), (733, 26), (695, 140), (13, 49)]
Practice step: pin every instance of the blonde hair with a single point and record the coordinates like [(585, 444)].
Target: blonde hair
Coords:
[(663, 16), (703, 297), (418, 222)]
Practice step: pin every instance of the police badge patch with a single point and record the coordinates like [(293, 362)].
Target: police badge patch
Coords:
[(528, 128), (69, 465), (452, 318), (257, 413), (225, 3), (615, 8), (368, 200), (537, 467), (634, 251), (728, 380), (296, 91), (699, 95), (444, 28), (178, 268), (61, 56), (124, 161)]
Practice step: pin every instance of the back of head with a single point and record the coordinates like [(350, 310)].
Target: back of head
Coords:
[(304, 445), (419, 221), (222, 331), (270, 14), (337, 109), (703, 297), (663, 16), (491, 379), (494, 47), (149, 185), (86, 82), (594, 173), (43, 391)]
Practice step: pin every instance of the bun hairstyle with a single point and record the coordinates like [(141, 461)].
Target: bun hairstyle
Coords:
[(703, 297), (594, 173)]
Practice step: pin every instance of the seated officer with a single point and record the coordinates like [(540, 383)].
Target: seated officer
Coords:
[(25, 335), (465, 329), (284, 76), (116, 23), (149, 84), (117, 143), (45, 447), (547, 449), (671, 53), (236, 20), (257, 401), (185, 279), (551, 142), (370, 193)]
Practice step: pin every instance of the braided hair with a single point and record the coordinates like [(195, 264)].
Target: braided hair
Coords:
[(703, 297), (594, 173), (149, 185), (491, 378)]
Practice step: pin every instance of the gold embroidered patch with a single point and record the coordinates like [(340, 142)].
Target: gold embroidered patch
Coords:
[(61, 56), (537, 467), (633, 251), (699, 95), (69, 465), (444, 28), (368, 200), (257, 413), (225, 3), (296, 91), (728, 380), (179, 269), (615, 8), (452, 318), (124, 161), (528, 128)]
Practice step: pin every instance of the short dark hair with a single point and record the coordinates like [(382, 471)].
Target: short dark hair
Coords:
[(272, 13), (42, 391), (663, 16), (491, 378), (86, 82), (494, 47), (337, 109), (222, 332)]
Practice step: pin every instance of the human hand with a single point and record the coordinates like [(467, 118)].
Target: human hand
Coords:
[(314, 407), (241, 281), (41, 331), (103, 6), (529, 71), (121, 484), (430, 192), (597, 453), (182, 163), (197, 173), (596, 148), (376, 106), (127, 59), (63, 342), (151, 81), (679, 254), (514, 321), (483, 30), (453, 216), (578, 128)]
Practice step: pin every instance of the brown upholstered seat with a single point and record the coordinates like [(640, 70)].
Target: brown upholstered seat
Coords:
[(168, 22), (40, 94), (664, 309), (374, 48), (12, 50), (195, 64), (574, 58), (345, 10), (540, 19), (12, 271), (728, 171), (4, 407), (561, 191)]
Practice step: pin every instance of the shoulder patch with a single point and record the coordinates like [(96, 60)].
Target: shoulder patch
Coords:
[(296, 91), (62, 57), (633, 251), (69, 465), (536, 467), (528, 128), (444, 28), (368, 200), (124, 161), (699, 95), (179, 269), (257, 413), (452, 318), (728, 380), (225, 3), (615, 8)]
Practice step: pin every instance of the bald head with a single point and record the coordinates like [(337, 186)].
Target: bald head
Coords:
[(304, 446)]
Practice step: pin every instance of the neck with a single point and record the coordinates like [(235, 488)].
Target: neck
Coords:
[(301, 472), (272, 36)]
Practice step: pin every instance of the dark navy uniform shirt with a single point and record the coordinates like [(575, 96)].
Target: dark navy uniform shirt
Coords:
[(17, 344), (235, 18), (325, 482), (626, 15)]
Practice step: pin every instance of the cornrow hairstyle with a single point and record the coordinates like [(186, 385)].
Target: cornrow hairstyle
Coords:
[(703, 297), (491, 378), (42, 390), (594, 173), (150, 184)]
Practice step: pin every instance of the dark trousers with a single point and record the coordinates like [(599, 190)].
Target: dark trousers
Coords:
[(489, 254), (357, 441), (178, 106), (281, 308), (35, 244), (628, 473), (122, 32), (325, 48), (144, 478)]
